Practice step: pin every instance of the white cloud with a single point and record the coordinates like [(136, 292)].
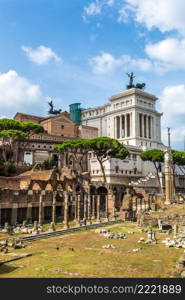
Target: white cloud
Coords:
[(141, 64), (123, 15), (18, 93), (110, 2), (41, 55), (173, 99), (106, 62), (172, 102), (94, 8), (166, 15), (169, 53)]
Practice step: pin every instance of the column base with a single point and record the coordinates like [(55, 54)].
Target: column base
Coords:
[(66, 226), (167, 202), (78, 224), (85, 222), (88, 222)]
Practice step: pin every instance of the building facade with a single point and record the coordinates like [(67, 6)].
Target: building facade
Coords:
[(130, 116), (58, 128)]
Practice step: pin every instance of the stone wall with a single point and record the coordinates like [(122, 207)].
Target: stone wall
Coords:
[(147, 220)]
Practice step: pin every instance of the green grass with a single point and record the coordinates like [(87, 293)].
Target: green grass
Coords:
[(89, 259)]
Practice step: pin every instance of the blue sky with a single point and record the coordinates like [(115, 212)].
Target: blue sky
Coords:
[(79, 51)]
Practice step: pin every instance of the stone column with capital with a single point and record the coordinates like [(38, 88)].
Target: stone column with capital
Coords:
[(66, 224), (131, 125), (115, 127), (93, 207), (106, 209), (169, 178), (29, 212), (118, 127), (14, 213), (78, 209), (126, 123), (113, 207), (89, 209), (54, 207), (85, 208), (29, 206), (98, 209), (143, 126), (153, 135), (41, 209), (147, 126)]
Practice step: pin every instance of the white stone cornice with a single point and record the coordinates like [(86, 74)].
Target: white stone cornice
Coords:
[(131, 92)]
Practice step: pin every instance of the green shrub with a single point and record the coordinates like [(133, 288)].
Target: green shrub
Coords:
[(11, 169), (49, 163)]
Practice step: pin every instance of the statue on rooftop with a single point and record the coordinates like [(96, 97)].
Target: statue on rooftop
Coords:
[(131, 76), (53, 111), (131, 79)]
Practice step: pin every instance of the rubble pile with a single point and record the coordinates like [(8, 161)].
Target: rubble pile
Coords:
[(111, 235)]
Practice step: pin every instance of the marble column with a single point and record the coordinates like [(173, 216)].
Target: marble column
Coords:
[(71, 207), (128, 125), (78, 209), (148, 127), (139, 204), (30, 195), (152, 128), (113, 207), (118, 127), (59, 161), (98, 209), (131, 125), (89, 209), (126, 133), (76, 206), (120, 117), (143, 132), (29, 207), (85, 208), (66, 220), (93, 207), (41, 209), (14, 213), (106, 209), (134, 204), (147, 204), (54, 207), (169, 178), (29, 212), (115, 127)]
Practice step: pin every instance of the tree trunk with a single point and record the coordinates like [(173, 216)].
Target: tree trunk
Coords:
[(102, 169), (157, 170)]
